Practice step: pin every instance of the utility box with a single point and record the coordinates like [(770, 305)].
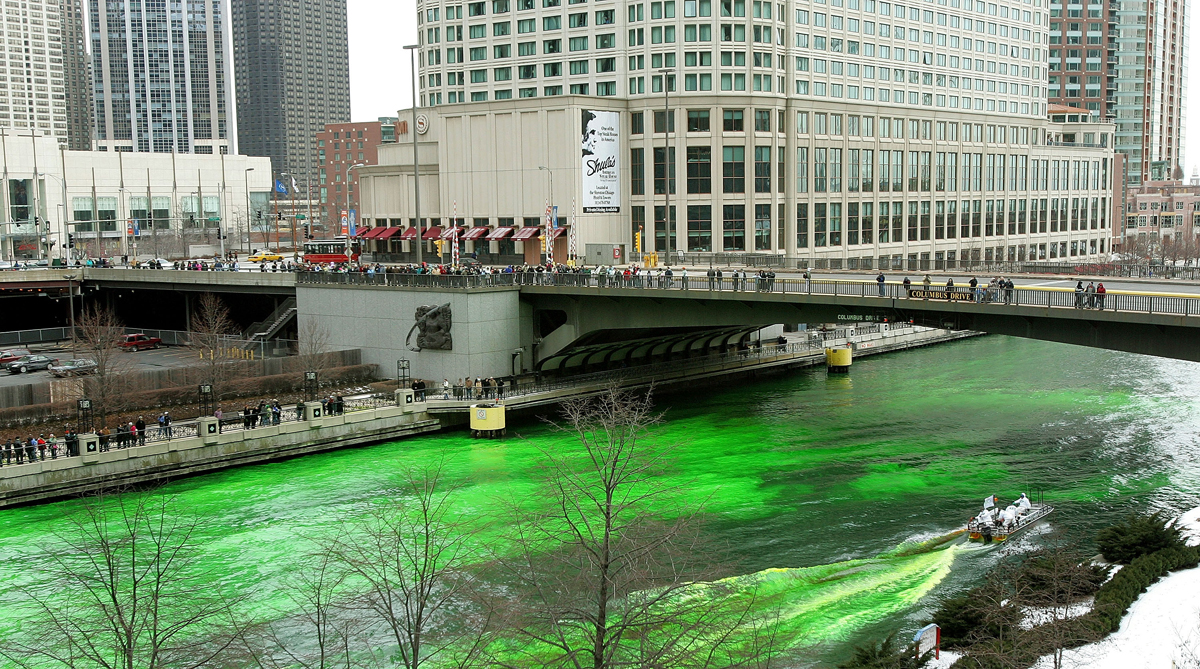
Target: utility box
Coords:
[(605, 254), (487, 420)]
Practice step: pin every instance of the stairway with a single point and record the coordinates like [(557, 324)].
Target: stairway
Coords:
[(267, 328)]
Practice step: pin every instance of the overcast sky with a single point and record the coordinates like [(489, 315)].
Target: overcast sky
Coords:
[(380, 82)]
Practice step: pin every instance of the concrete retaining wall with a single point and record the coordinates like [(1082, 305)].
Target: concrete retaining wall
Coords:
[(69, 476)]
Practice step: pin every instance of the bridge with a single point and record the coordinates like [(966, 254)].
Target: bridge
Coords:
[(510, 322)]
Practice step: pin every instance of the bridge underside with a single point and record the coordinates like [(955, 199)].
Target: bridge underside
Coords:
[(584, 311)]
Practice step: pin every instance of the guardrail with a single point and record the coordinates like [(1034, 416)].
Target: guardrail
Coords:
[(1123, 301)]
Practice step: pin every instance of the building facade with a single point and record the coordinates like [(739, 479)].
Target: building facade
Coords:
[(293, 77), (117, 203), (77, 75), (1126, 61), (34, 98), (851, 186), (853, 132), (161, 78), (1162, 218), (341, 149)]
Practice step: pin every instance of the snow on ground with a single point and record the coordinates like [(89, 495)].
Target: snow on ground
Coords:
[(1164, 618), (948, 657), (1032, 617)]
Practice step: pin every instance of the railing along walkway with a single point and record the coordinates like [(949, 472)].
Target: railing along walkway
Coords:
[(1119, 301)]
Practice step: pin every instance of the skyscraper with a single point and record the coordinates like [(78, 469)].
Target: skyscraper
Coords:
[(78, 80), (1125, 61), (33, 97), (161, 79), (293, 77)]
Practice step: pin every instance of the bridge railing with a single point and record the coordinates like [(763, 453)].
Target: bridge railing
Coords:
[(1123, 301)]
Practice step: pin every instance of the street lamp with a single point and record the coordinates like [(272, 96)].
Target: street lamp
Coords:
[(63, 218), (551, 173), (348, 168), (668, 164), (71, 301), (412, 52), (249, 219), (124, 223)]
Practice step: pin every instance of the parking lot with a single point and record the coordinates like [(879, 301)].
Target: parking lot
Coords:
[(168, 356)]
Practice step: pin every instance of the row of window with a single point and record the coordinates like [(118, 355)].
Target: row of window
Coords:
[(838, 224), (822, 169)]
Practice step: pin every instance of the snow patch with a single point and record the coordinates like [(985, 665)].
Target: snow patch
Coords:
[(1157, 630), (1033, 616), (948, 657)]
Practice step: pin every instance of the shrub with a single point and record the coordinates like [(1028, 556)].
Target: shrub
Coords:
[(960, 619), (1137, 536), (1114, 598)]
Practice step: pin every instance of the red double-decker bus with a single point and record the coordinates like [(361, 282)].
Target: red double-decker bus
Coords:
[(328, 250)]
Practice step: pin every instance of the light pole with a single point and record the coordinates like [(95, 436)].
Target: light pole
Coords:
[(668, 164), (249, 218), (348, 168), (412, 52), (63, 217), (124, 223), (549, 171), (71, 301)]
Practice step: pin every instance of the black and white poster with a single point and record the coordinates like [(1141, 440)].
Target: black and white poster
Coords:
[(601, 147)]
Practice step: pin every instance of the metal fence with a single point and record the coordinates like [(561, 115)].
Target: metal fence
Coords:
[(1124, 301)]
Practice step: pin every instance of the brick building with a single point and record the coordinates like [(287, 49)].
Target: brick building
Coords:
[(340, 147)]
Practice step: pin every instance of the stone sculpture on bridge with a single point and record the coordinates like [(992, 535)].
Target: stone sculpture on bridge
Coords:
[(432, 326)]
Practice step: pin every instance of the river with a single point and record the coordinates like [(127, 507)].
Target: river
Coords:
[(819, 483)]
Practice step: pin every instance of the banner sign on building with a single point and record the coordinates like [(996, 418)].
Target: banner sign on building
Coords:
[(353, 228), (345, 222), (601, 146)]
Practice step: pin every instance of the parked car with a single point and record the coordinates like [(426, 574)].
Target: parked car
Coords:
[(139, 342), (265, 256), (30, 363), (8, 355), (76, 367)]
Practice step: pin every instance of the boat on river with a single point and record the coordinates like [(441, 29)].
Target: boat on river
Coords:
[(985, 531)]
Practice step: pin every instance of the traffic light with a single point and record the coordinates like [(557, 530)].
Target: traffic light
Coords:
[(438, 244), (70, 240), (259, 214)]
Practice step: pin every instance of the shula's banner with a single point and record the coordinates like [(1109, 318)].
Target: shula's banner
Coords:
[(601, 148)]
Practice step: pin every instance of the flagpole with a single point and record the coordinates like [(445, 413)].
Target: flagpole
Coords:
[(573, 249), (454, 235)]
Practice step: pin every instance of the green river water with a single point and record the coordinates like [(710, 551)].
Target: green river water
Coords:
[(818, 482)]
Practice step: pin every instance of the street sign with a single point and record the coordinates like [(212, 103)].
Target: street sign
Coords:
[(300, 217), (214, 219)]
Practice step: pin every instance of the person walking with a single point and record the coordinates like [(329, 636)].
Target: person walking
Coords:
[(1100, 293), (1009, 291), (712, 275), (683, 279), (141, 430), (720, 279), (927, 282), (881, 281), (1091, 295), (445, 389), (907, 287), (1079, 295), (807, 280)]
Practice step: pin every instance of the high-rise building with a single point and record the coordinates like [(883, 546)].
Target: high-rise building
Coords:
[(340, 148), (33, 98), (76, 75), (855, 133), (161, 76), (293, 77), (1125, 60)]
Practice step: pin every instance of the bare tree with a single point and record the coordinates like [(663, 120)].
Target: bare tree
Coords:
[(139, 597), (98, 335), (412, 555), (212, 328), (602, 577), (315, 343)]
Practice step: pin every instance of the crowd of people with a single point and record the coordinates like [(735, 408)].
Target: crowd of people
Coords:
[(489, 388)]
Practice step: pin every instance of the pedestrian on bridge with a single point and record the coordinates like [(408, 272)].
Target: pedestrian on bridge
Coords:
[(928, 283), (881, 280), (1079, 294), (1100, 293), (683, 279), (712, 276), (1091, 295)]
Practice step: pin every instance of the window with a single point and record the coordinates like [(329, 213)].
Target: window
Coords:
[(579, 89), (697, 121), (662, 120), (502, 74), (552, 69), (699, 228), (762, 225), (527, 72), (802, 225), (732, 119), (605, 18), (762, 169), (637, 123), (551, 23), (500, 29), (607, 41), (762, 120), (579, 67), (606, 88), (527, 48), (502, 51), (479, 53), (476, 9), (662, 159), (499, 6), (552, 46), (606, 64), (699, 169), (733, 236), (577, 20), (526, 26), (733, 169), (637, 171), (578, 44)]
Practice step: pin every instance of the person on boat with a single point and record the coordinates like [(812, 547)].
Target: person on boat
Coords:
[(1023, 504), (1009, 515), (985, 518)]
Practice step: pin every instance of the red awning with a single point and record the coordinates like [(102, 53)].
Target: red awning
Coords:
[(555, 233), (372, 233), (451, 233), (530, 232), (476, 232), (386, 233), (432, 232), (410, 233), (364, 233), (498, 233)]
